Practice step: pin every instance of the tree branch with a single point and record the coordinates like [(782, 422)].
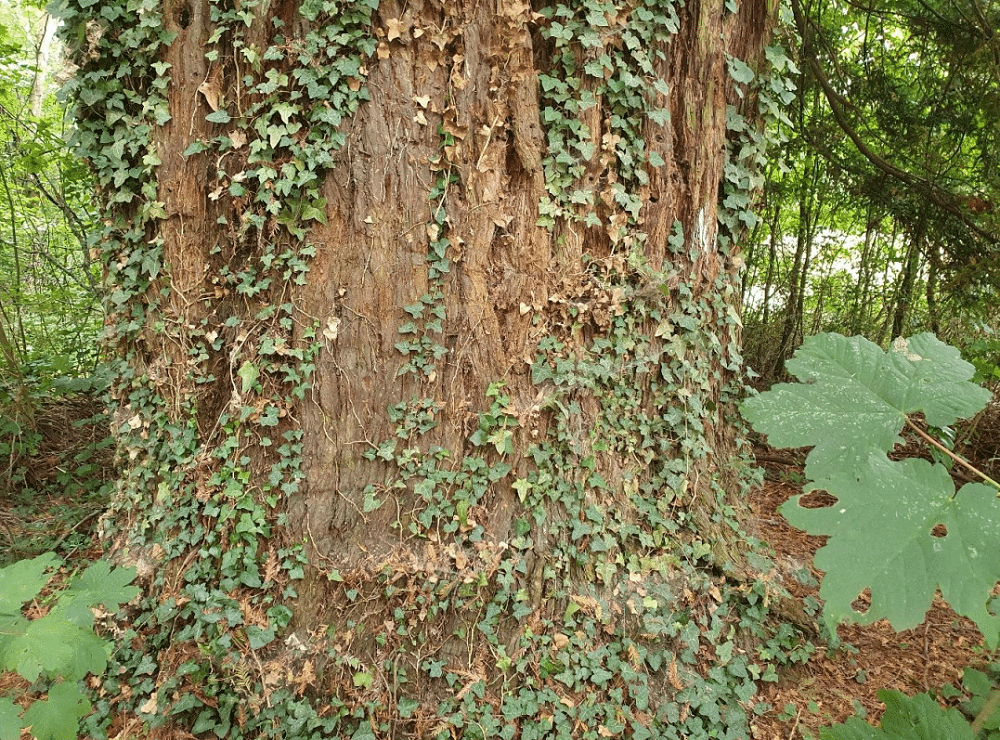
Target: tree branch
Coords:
[(928, 189)]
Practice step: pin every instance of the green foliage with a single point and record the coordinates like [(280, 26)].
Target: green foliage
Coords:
[(56, 651), (980, 699), (57, 455), (49, 307), (851, 405), (906, 718), (622, 74), (981, 346), (881, 216)]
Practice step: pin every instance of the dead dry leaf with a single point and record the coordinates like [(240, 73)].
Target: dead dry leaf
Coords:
[(210, 89), (395, 28)]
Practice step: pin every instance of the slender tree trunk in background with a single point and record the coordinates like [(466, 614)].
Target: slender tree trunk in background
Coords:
[(859, 304), (791, 330), (933, 273), (774, 244), (7, 348), (817, 317), (885, 314), (43, 53), (904, 292), (429, 346), (15, 338)]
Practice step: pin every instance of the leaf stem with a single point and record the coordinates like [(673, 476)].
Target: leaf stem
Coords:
[(986, 711), (960, 460)]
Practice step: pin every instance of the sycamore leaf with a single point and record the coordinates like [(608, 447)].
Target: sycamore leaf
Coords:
[(23, 580), (102, 584), (58, 718), (898, 528), (855, 395), (10, 719), (906, 718), (99, 584), (57, 648), (909, 560)]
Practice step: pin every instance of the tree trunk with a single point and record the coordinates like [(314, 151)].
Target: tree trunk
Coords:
[(933, 275), (904, 291), (773, 245), (429, 350), (43, 54)]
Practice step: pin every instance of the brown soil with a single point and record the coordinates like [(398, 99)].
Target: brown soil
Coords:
[(834, 684)]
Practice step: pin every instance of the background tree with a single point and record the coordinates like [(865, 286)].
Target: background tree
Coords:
[(50, 312), (903, 123), (49, 308), (427, 336)]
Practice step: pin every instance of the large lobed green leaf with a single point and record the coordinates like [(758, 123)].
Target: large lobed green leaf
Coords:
[(906, 718), (58, 716), (880, 538), (850, 407), (60, 646), (23, 580), (854, 395)]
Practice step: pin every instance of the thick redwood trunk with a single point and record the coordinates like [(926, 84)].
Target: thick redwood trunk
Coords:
[(449, 307)]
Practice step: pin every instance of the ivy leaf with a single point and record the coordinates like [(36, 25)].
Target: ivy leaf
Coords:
[(58, 718), (316, 210), (739, 71), (248, 373), (905, 718)]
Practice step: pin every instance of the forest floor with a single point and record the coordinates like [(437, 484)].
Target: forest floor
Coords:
[(831, 686)]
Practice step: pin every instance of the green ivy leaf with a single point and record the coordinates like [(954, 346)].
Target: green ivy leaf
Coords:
[(739, 71), (58, 717), (219, 116), (195, 147), (315, 211), (248, 373)]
